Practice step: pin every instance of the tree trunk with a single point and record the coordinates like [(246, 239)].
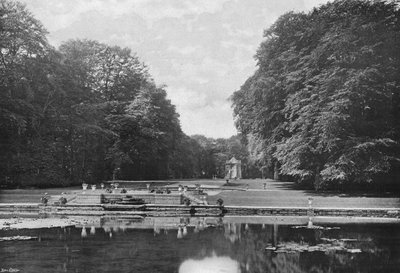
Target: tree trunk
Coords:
[(276, 171), (317, 179)]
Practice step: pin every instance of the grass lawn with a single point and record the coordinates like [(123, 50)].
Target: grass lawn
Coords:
[(246, 192)]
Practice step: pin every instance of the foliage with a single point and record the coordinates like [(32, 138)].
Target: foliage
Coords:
[(324, 102), (28, 96), (213, 154), (84, 113)]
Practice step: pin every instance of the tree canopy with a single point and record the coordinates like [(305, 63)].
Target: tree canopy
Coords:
[(85, 112), (88, 112), (324, 103)]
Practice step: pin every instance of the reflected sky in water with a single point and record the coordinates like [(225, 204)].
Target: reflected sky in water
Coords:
[(194, 245), (211, 264)]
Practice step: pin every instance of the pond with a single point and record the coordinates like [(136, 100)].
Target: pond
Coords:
[(194, 245)]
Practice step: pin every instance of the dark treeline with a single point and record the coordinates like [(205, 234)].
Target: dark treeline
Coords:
[(323, 107), (88, 112), (215, 152)]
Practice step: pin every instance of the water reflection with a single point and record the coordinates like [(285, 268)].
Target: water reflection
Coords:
[(83, 233), (92, 230), (212, 264), (232, 232), (180, 235), (215, 244)]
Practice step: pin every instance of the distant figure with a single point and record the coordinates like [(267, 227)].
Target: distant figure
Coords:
[(116, 173)]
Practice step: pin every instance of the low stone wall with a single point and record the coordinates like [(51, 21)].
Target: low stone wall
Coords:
[(307, 211), (203, 210), (167, 199), (148, 198), (88, 198), (263, 211), (19, 209), (195, 210), (359, 212), (93, 198), (81, 209)]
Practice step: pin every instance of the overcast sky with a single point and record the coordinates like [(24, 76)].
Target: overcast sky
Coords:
[(201, 49)]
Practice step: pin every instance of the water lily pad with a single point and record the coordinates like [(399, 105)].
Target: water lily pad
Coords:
[(315, 227), (292, 247), (17, 238)]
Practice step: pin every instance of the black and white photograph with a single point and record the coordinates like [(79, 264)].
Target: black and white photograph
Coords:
[(200, 136)]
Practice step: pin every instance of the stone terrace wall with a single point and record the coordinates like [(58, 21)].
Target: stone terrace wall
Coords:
[(94, 198), (168, 199), (88, 198)]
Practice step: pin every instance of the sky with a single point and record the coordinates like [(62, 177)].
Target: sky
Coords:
[(202, 50)]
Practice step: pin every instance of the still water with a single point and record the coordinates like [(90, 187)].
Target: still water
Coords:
[(194, 245)]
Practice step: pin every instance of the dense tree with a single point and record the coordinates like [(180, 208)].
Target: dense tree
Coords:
[(214, 153), (324, 103), (110, 73), (148, 133), (186, 159), (29, 94), (105, 81), (123, 125), (87, 112)]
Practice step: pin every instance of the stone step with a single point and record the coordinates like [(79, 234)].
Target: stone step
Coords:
[(194, 199)]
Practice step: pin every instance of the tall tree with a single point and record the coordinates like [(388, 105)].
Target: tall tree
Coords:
[(325, 99), (28, 94), (148, 132)]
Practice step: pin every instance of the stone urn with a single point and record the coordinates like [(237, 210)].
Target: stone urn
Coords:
[(310, 199)]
